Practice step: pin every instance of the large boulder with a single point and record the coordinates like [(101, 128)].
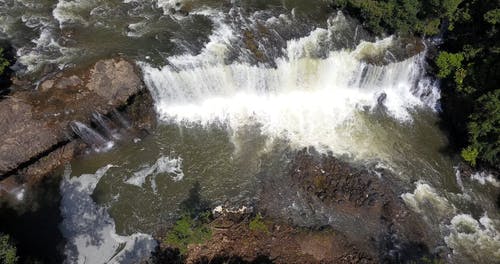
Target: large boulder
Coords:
[(36, 123)]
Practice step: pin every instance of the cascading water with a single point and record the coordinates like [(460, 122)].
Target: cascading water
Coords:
[(231, 83), (106, 125), (311, 97), (322, 95), (91, 137), (122, 121)]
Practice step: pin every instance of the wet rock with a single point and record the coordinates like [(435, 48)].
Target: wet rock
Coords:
[(321, 190), (49, 163), (114, 80), (140, 110), (35, 134)]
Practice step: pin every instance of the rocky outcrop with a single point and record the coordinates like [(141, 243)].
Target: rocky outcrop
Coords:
[(319, 209), (35, 134), (234, 240), (320, 190)]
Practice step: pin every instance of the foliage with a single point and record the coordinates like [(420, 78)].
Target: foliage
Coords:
[(484, 129), (492, 16), (4, 63), (402, 16), (469, 67), (257, 224), (188, 231), (469, 154), (448, 62), (7, 250)]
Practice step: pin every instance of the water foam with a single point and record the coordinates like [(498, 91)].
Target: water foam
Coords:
[(311, 97), (90, 231), (168, 165), (71, 12), (484, 178), (477, 241), (426, 201)]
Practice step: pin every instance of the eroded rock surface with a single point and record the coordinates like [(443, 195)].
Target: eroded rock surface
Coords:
[(318, 209), (321, 190), (35, 126), (234, 241)]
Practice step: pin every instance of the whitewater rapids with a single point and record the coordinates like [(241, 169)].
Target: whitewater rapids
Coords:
[(312, 97)]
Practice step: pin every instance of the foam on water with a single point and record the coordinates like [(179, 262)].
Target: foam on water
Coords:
[(484, 178), (426, 201), (70, 12), (17, 192), (476, 241), (90, 231), (311, 97), (470, 240), (164, 164), (168, 4)]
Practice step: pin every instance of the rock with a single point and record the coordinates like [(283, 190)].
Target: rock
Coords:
[(320, 190), (35, 134), (236, 242), (49, 163), (114, 80)]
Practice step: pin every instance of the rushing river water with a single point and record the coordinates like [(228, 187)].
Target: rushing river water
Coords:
[(237, 81)]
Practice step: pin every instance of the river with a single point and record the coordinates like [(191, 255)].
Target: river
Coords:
[(236, 83)]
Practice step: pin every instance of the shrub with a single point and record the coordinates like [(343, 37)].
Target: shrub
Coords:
[(469, 154), (188, 231), (257, 224)]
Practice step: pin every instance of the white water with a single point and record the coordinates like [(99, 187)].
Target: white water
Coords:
[(91, 137), (314, 95), (478, 241), (307, 98), (164, 165), (90, 231), (470, 240), (485, 178), (426, 201), (18, 192)]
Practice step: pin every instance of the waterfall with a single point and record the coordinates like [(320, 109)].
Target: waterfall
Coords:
[(91, 137), (106, 125), (312, 95), (119, 117), (13, 189)]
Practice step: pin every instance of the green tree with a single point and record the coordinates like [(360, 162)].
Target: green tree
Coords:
[(422, 17), (7, 250), (448, 62), (469, 66), (492, 16)]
